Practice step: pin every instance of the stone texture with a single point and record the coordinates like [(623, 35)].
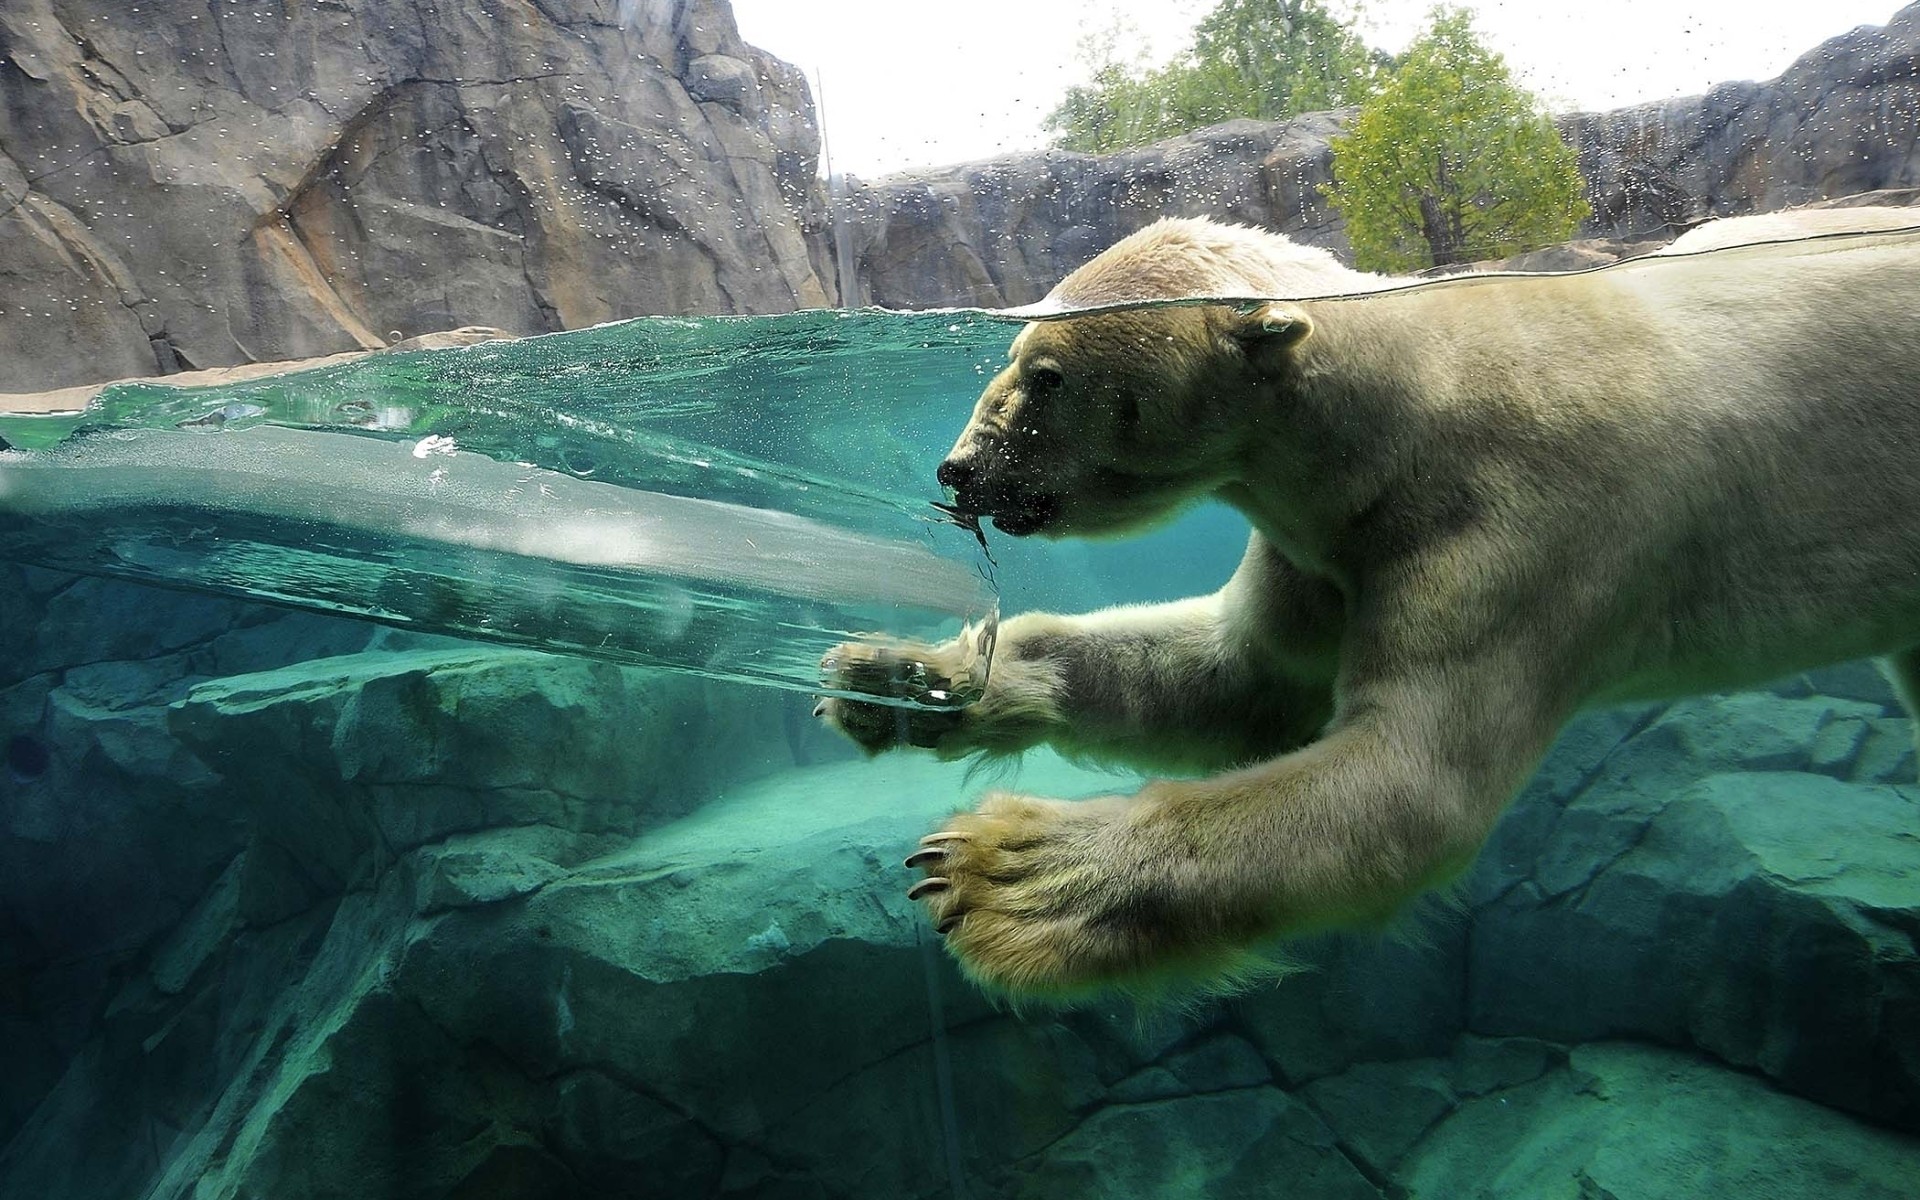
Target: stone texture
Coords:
[(1736, 874), (188, 183), (1640, 1123), (1001, 232), (200, 793), (1227, 1145), (1844, 119)]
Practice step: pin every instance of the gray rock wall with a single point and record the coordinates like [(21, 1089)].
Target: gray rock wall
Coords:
[(1843, 119), (192, 183), (1003, 231)]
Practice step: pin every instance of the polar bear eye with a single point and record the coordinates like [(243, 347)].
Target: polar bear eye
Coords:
[(1044, 379)]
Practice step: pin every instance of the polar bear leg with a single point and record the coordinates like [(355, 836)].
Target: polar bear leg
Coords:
[(1185, 879), (1214, 681), (1153, 686)]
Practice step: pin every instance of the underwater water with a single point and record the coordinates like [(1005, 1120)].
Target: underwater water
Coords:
[(299, 905)]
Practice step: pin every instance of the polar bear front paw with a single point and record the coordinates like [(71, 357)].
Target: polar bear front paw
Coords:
[(1057, 899), (901, 670)]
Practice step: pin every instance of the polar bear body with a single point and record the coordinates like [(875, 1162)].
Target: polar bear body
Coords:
[(1790, 224), (1479, 505)]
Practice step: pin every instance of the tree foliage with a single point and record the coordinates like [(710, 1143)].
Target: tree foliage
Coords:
[(1267, 59), (1451, 161)]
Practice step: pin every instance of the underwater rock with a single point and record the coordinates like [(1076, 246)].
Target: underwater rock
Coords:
[(177, 842), (187, 187), (1358, 997), (1234, 1146), (1716, 878), (513, 994), (111, 831), (1383, 1108), (441, 741), (620, 1022), (1642, 1123)]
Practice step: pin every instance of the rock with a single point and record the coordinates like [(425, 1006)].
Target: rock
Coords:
[(1843, 119), (469, 870), (1355, 997), (185, 187), (118, 843), (1229, 1146), (1001, 232), (1768, 918), (431, 743), (73, 399), (723, 79), (626, 1008), (1382, 1109), (1640, 1123), (174, 797)]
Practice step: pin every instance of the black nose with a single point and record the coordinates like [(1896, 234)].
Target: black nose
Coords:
[(954, 473)]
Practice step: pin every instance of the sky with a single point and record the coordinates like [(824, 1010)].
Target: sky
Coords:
[(919, 83)]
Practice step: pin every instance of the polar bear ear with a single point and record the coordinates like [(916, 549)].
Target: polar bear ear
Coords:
[(1273, 324)]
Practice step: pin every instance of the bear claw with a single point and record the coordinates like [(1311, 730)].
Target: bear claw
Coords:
[(927, 887), (922, 857)]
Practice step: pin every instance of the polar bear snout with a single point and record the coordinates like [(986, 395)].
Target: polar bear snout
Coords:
[(976, 476), (955, 473)]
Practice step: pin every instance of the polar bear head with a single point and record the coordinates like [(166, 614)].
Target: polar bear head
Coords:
[(1106, 422)]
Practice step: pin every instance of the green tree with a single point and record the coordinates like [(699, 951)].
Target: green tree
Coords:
[(1451, 161), (1267, 59), (1276, 58)]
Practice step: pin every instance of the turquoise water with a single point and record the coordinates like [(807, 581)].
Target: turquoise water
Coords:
[(728, 496), (289, 899)]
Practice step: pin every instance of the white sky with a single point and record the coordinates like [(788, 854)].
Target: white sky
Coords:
[(912, 83)]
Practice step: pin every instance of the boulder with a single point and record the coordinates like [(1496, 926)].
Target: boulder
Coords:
[(1737, 874), (1642, 1123), (189, 187), (197, 791)]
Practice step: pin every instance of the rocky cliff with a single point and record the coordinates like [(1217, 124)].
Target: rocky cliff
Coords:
[(197, 183), (185, 184), (1843, 119)]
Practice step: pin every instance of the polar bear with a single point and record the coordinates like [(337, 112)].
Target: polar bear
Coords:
[(1479, 505), (1789, 224)]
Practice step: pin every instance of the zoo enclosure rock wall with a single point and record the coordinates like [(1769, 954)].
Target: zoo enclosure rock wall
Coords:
[(217, 822), (1845, 118), (199, 183), (290, 915)]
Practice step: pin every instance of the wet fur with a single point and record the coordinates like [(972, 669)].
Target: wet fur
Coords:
[(1478, 508)]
